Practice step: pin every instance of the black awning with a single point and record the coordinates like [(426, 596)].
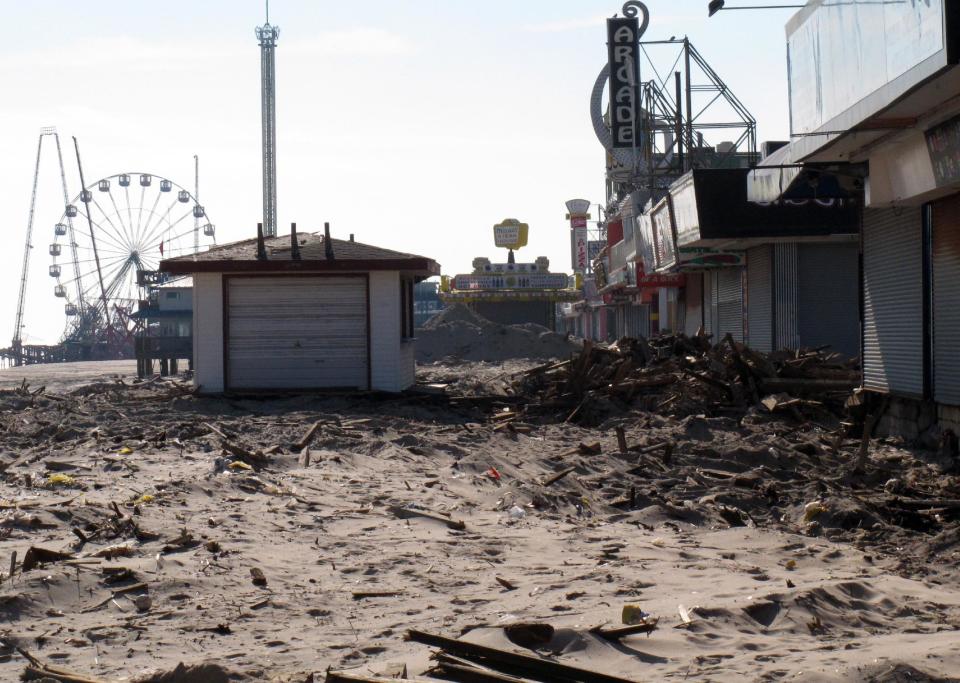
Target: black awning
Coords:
[(777, 178)]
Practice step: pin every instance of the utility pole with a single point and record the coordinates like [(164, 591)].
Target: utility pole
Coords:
[(267, 35), (196, 198), (689, 140)]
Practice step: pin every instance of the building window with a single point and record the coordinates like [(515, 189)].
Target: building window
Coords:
[(173, 295), (406, 308)]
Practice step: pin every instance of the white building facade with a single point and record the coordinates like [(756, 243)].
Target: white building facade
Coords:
[(303, 318)]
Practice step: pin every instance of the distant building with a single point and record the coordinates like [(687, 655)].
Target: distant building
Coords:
[(426, 302), (314, 313), (511, 293), (166, 327)]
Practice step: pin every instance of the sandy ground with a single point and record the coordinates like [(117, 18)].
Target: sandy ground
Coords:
[(64, 376), (774, 599)]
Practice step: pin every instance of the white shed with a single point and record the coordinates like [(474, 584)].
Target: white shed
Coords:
[(325, 314)]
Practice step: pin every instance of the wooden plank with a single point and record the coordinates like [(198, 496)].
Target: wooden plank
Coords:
[(558, 476), (621, 440), (615, 634), (534, 667), (308, 437), (347, 677), (407, 513)]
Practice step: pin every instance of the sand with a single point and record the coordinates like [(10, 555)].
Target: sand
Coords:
[(847, 596)]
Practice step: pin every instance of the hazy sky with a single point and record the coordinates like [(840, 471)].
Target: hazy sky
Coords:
[(415, 124)]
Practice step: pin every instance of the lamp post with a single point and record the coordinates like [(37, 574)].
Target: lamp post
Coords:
[(717, 5)]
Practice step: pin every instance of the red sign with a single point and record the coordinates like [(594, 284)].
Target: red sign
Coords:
[(654, 280), (578, 221), (663, 280), (614, 232)]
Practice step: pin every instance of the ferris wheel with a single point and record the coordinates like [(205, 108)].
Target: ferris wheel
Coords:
[(115, 227)]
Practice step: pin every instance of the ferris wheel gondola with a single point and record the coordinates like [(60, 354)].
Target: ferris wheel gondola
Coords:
[(114, 228)]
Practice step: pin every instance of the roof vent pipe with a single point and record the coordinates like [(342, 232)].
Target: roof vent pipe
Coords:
[(327, 242), (294, 244), (261, 247), (351, 237)]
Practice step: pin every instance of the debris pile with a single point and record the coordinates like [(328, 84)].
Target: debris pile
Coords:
[(286, 536), (461, 334), (679, 375)]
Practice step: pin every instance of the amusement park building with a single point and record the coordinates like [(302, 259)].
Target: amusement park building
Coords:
[(302, 312), (881, 105)]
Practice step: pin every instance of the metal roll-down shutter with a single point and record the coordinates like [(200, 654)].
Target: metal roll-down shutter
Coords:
[(693, 296), (296, 332), (946, 300), (827, 297), (760, 297), (730, 304), (893, 300)]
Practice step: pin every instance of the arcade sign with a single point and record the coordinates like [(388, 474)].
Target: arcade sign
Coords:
[(623, 36)]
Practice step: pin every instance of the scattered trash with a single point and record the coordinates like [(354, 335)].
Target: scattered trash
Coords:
[(61, 479), (812, 510), (633, 614)]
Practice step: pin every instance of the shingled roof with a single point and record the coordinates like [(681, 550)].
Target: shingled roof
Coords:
[(347, 256)]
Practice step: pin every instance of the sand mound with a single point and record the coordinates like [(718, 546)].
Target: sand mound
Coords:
[(200, 673), (459, 333)]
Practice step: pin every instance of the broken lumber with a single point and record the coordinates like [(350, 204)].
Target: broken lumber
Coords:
[(255, 460), (621, 439), (36, 556), (616, 633), (408, 513), (513, 662), (558, 476), (363, 595), (792, 385), (308, 437), (348, 677), (37, 670), (453, 668)]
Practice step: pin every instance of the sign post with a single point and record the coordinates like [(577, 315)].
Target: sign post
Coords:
[(577, 214)]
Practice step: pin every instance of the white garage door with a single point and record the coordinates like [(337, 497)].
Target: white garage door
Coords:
[(297, 332)]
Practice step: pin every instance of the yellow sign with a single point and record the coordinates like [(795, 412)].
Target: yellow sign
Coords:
[(510, 234)]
